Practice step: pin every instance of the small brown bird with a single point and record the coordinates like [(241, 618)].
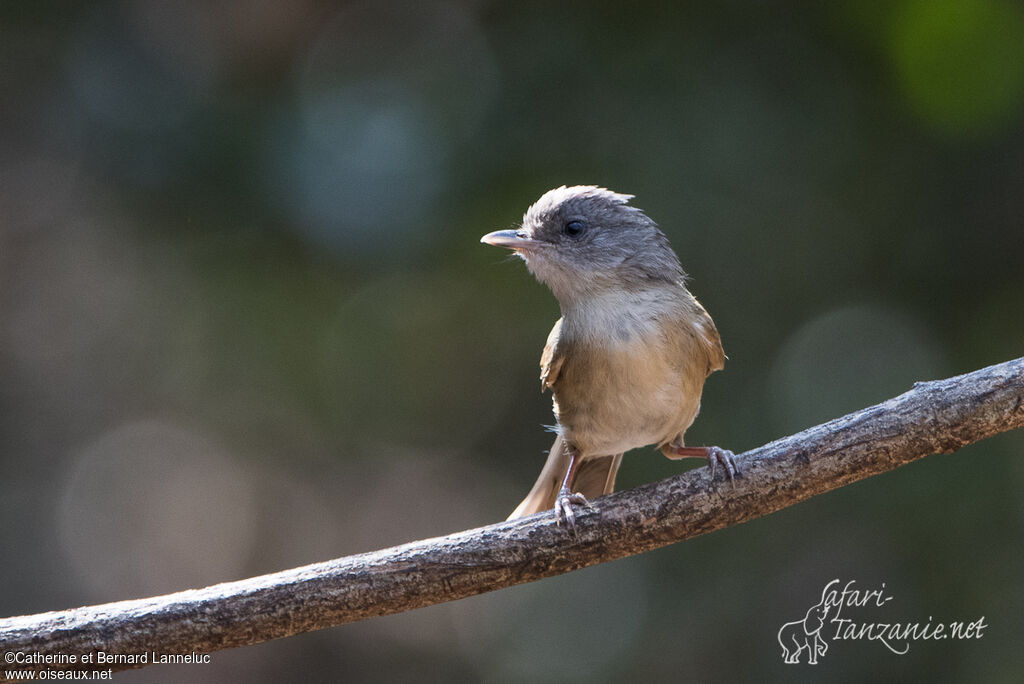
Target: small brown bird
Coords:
[(626, 362)]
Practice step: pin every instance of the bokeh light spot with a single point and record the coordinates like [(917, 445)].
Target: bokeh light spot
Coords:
[(152, 507), (847, 359), (385, 95), (961, 63), (122, 75)]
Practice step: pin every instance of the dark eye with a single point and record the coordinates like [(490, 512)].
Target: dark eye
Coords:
[(573, 228)]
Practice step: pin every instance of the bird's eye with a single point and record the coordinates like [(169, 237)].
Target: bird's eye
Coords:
[(574, 228)]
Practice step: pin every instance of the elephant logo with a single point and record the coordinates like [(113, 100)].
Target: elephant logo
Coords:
[(805, 635)]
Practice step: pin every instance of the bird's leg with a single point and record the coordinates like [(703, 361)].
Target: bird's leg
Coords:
[(714, 456), (566, 498)]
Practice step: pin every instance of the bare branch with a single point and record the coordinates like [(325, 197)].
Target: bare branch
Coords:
[(934, 417)]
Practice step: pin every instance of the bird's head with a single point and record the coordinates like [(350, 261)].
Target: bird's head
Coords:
[(584, 239)]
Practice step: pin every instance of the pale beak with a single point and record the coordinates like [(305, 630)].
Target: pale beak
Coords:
[(511, 239)]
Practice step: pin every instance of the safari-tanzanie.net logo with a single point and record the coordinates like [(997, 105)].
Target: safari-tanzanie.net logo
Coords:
[(808, 639)]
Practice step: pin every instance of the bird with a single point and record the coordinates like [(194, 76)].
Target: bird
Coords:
[(627, 360)]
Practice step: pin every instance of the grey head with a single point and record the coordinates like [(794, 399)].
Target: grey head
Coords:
[(582, 240)]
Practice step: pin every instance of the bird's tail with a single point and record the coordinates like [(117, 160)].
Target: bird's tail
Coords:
[(596, 476)]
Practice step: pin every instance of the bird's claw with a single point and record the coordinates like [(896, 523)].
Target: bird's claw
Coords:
[(718, 455), (563, 507)]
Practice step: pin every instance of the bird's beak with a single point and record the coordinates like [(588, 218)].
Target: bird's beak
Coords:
[(509, 238)]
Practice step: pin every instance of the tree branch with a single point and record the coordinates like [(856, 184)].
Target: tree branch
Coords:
[(934, 417)]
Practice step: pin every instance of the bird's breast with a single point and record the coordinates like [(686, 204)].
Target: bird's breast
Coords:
[(630, 377)]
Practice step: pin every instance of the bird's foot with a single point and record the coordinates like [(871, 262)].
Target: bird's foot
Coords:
[(563, 507), (716, 456), (727, 459)]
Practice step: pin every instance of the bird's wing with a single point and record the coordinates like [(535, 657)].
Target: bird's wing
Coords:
[(552, 358), (708, 339), (712, 343)]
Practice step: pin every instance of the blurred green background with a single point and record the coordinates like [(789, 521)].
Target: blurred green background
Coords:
[(246, 323)]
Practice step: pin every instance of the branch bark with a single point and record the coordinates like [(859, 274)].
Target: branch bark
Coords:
[(934, 417)]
